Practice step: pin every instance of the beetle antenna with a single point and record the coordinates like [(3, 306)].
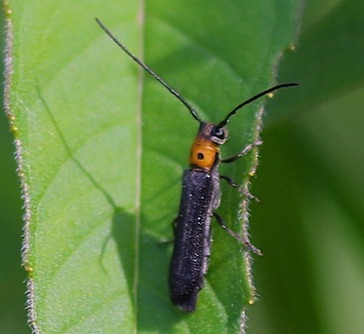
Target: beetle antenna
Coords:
[(150, 71), (255, 97)]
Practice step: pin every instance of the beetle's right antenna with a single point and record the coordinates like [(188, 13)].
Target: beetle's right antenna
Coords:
[(255, 97), (151, 72)]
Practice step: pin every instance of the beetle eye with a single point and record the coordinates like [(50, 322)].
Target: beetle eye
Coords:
[(218, 132)]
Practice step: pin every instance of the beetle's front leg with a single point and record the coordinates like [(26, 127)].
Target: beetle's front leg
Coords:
[(245, 151)]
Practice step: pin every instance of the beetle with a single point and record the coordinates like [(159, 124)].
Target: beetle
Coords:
[(200, 197)]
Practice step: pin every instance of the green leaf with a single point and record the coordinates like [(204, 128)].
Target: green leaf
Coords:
[(101, 149)]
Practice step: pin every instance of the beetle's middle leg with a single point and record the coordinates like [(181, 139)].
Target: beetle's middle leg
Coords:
[(238, 237), (245, 192)]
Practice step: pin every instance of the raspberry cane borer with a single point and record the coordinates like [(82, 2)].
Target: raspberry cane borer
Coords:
[(199, 199)]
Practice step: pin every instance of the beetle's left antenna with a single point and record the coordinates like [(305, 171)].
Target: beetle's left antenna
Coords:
[(150, 71)]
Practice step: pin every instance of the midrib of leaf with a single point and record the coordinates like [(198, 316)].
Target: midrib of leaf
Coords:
[(139, 153)]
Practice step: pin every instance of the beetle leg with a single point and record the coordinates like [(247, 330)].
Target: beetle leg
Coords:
[(174, 224), (167, 242), (245, 151), (240, 189), (238, 237)]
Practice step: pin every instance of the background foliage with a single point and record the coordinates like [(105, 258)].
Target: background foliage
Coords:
[(310, 180)]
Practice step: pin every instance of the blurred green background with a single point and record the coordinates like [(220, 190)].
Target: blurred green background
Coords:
[(309, 223)]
